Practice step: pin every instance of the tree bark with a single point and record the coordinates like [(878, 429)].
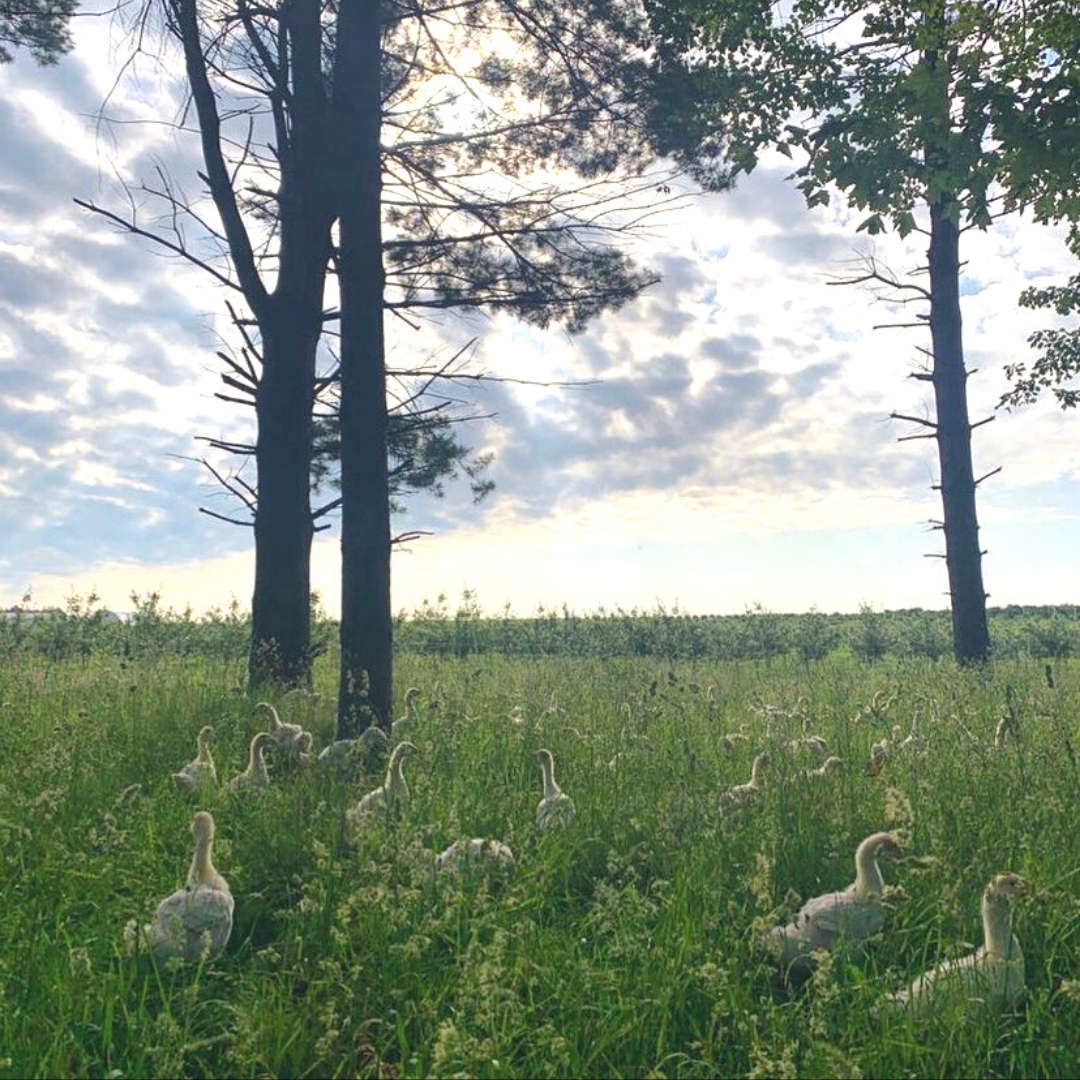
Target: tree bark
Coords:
[(290, 325), (366, 621), (963, 557), (281, 600), (289, 319), (971, 638)]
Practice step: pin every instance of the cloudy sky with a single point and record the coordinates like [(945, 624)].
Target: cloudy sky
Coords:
[(732, 446)]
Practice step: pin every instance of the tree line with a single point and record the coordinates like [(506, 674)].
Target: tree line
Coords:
[(369, 160), (82, 631)]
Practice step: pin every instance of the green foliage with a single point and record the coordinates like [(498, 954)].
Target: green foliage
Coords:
[(1059, 363), (425, 455), (622, 947), (39, 26), (897, 104), (871, 642), (82, 629)]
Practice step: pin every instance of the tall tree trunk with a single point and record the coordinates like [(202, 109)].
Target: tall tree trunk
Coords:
[(366, 622), (963, 557), (281, 602), (971, 639), (290, 324)]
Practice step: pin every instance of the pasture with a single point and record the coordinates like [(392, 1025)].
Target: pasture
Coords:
[(624, 945)]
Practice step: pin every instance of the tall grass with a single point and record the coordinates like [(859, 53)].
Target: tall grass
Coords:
[(623, 946)]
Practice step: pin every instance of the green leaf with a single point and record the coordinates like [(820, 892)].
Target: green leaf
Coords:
[(905, 222)]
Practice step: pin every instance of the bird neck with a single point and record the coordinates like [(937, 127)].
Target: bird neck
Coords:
[(997, 927), (757, 776), (257, 763), (550, 787), (410, 707), (202, 870), (395, 778), (868, 879), (204, 750)]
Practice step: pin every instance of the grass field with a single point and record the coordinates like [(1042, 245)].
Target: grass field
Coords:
[(623, 946)]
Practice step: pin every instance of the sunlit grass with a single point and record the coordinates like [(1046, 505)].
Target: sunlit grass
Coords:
[(623, 946)]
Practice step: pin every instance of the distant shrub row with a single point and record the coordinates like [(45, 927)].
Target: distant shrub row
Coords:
[(82, 628)]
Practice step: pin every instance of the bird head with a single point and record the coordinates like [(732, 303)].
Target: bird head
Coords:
[(1007, 887), (888, 847), (275, 720), (202, 826)]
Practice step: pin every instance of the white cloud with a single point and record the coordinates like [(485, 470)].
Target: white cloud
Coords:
[(742, 398)]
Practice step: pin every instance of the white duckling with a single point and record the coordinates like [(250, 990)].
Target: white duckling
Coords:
[(201, 772), (879, 756), (194, 922), (479, 854), (829, 767), (304, 746), (743, 795), (776, 719), (255, 777), (809, 741), (346, 756), (914, 742), (875, 712), (556, 807), (394, 792), (291, 739), (991, 978), (732, 739), (851, 915), (407, 724)]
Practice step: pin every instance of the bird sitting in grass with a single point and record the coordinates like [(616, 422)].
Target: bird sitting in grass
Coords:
[(485, 855), (346, 757), (815, 744), (829, 767), (991, 979), (291, 740), (392, 796), (731, 740), (193, 923), (255, 777), (201, 772), (879, 756), (556, 807), (849, 916), (407, 724), (743, 795)]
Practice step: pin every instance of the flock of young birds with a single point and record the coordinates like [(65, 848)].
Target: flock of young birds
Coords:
[(195, 922)]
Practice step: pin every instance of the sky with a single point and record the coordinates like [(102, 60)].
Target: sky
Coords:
[(732, 445)]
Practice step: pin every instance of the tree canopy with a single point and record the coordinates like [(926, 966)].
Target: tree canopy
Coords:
[(858, 86), (39, 26), (1057, 368)]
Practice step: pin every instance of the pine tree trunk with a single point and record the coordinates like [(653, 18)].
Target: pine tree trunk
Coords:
[(281, 603), (971, 639), (366, 622)]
